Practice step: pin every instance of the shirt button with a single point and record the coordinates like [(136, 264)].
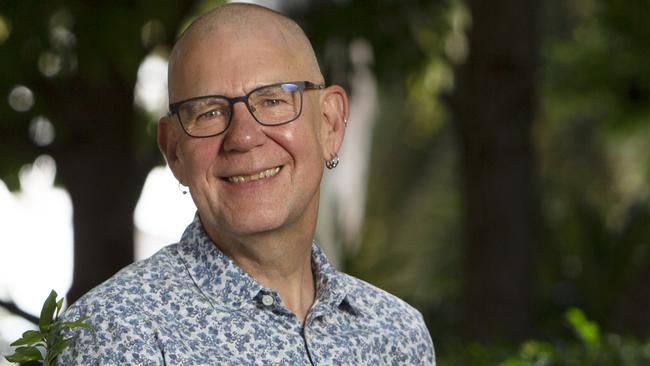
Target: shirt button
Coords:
[(267, 300)]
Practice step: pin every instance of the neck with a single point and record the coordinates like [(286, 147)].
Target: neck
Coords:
[(286, 269), (278, 259)]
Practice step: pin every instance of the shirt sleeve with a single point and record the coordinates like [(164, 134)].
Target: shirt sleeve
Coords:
[(425, 347), (112, 341)]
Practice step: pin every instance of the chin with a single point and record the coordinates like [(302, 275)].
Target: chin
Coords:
[(256, 224)]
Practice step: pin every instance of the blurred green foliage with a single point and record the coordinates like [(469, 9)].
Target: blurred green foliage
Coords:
[(409, 243), (587, 346), (66, 53), (591, 136), (594, 130)]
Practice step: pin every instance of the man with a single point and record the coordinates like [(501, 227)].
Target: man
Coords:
[(251, 125)]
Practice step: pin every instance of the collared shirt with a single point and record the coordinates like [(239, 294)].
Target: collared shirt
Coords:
[(190, 304)]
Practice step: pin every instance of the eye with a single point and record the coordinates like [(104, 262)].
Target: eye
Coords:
[(272, 102), (211, 114)]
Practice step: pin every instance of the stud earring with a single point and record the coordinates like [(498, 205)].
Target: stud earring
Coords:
[(333, 162)]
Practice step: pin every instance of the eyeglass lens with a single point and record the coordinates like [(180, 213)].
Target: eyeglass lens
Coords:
[(270, 105)]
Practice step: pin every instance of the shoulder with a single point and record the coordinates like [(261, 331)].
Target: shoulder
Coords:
[(401, 324), (134, 284), (122, 312), (379, 303), (130, 301)]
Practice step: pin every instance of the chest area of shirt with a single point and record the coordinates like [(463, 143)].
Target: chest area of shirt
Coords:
[(263, 337)]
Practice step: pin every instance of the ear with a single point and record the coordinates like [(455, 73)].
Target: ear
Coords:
[(335, 110), (168, 143)]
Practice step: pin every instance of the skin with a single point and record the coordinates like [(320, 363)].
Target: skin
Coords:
[(265, 226)]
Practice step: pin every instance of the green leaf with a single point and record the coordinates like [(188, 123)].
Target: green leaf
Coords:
[(59, 305), (55, 327), (47, 313), (58, 347), (29, 337), (51, 328), (78, 323), (588, 331), (24, 354)]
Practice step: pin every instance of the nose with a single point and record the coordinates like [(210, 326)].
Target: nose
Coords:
[(244, 133)]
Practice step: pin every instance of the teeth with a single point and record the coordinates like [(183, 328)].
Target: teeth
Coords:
[(268, 173)]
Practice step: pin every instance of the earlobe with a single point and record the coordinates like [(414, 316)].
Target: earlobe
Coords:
[(335, 109), (168, 141)]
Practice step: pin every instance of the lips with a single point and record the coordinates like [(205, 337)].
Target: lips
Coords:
[(268, 173)]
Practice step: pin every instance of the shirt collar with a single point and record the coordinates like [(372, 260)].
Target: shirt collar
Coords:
[(332, 287), (216, 275), (227, 285)]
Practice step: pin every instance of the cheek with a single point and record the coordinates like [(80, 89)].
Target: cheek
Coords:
[(201, 155), (302, 145), (301, 138)]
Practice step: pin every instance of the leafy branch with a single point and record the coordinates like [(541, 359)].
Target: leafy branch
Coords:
[(46, 343)]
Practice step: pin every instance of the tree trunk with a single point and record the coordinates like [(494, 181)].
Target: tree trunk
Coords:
[(102, 172), (494, 109)]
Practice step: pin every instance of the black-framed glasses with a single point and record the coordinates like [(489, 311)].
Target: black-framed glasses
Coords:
[(270, 105)]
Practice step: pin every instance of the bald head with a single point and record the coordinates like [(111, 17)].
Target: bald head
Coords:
[(245, 24)]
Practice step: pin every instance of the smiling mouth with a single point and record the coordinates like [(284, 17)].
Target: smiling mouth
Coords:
[(268, 173)]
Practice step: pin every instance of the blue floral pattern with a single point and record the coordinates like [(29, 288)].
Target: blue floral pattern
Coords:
[(189, 304)]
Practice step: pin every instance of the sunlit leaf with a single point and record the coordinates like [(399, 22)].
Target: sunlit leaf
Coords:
[(588, 331)]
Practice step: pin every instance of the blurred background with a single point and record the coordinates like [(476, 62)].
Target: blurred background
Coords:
[(495, 172)]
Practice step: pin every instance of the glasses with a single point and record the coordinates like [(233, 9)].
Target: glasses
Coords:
[(270, 105)]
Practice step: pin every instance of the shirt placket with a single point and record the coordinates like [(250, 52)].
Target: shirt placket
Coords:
[(287, 321)]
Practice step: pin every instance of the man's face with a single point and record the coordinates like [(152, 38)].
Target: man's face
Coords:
[(213, 167)]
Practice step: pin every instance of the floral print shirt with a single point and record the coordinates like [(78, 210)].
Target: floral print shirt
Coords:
[(189, 304)]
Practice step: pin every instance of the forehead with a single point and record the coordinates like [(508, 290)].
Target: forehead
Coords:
[(232, 61)]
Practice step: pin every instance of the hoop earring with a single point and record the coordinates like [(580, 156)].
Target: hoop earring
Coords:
[(182, 188), (333, 162)]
